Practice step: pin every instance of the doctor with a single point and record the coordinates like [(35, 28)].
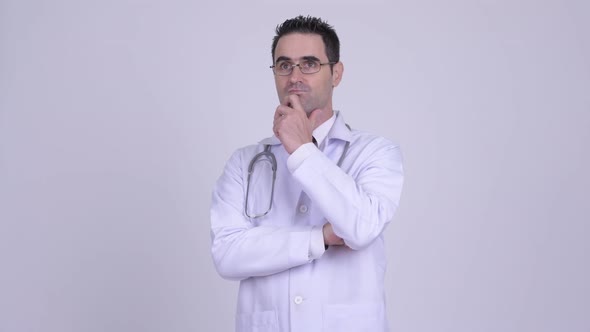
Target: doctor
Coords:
[(308, 247)]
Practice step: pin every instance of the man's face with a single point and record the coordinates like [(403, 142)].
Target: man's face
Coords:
[(314, 90)]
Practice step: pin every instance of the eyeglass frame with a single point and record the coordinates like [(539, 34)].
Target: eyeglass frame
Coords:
[(299, 65)]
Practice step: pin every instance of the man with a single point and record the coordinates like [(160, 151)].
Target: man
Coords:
[(307, 247)]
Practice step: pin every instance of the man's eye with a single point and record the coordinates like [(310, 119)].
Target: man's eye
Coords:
[(309, 64), (284, 65)]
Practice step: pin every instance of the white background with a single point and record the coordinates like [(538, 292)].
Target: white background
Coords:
[(116, 118)]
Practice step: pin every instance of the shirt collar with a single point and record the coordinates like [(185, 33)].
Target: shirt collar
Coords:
[(321, 132), (340, 130)]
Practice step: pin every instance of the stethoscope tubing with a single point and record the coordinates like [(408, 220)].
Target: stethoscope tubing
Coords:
[(266, 152)]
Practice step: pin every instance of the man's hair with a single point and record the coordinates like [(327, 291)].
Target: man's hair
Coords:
[(311, 25)]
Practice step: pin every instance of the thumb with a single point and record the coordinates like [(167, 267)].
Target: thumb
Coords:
[(314, 117)]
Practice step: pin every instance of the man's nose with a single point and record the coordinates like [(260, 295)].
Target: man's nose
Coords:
[(296, 74)]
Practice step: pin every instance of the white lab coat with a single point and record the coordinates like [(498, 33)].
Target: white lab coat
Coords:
[(281, 288)]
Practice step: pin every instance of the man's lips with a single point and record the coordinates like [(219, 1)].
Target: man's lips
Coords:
[(295, 91)]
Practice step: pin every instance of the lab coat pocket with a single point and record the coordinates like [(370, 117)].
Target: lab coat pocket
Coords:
[(261, 321), (368, 317)]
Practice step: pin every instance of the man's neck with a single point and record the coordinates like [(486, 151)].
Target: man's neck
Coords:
[(324, 116)]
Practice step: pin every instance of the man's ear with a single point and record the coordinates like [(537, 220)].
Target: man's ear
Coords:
[(337, 72)]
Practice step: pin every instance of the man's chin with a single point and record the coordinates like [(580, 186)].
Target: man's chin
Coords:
[(308, 109)]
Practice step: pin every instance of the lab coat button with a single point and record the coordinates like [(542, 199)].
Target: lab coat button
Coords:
[(303, 208), (298, 300)]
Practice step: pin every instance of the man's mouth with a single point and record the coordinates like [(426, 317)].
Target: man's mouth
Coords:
[(296, 89)]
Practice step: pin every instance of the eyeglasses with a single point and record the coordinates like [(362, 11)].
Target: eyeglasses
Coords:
[(284, 68)]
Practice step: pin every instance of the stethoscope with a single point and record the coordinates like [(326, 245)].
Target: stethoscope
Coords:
[(266, 154)]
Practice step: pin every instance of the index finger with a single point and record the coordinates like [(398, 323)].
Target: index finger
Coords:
[(294, 102)]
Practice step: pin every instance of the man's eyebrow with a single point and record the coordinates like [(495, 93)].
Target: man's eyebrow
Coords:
[(306, 58), (310, 58), (282, 58)]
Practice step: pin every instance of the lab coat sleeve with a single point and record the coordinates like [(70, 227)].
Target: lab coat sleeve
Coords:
[(241, 249), (358, 205)]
